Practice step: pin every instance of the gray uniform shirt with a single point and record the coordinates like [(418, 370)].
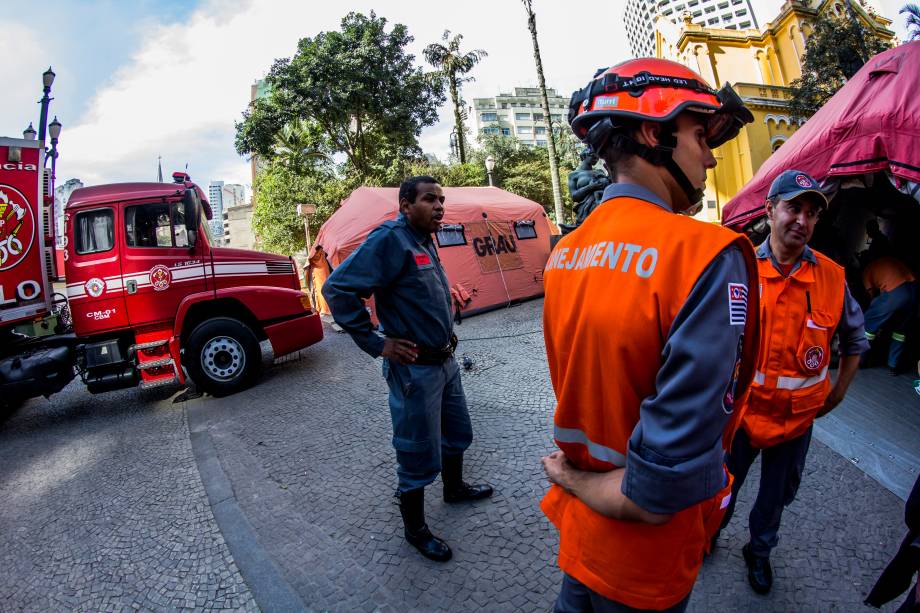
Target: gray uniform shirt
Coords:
[(401, 268), (675, 457)]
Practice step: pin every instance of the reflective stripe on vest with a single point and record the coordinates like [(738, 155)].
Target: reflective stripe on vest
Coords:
[(596, 450), (792, 383)]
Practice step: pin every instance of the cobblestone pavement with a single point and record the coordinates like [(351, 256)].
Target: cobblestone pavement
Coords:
[(308, 454), (102, 509)]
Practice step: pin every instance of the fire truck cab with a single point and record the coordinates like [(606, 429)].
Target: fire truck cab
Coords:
[(152, 298), (147, 283)]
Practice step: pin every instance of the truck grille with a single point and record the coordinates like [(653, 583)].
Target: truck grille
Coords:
[(279, 268)]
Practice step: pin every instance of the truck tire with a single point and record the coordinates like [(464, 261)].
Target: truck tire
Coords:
[(223, 356)]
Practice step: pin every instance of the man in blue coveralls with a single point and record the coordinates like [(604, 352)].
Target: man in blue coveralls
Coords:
[(399, 265)]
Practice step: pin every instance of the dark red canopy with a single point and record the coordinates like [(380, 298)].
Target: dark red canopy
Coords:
[(871, 124)]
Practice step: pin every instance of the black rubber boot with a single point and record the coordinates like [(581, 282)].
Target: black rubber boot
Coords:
[(412, 507), (455, 488), (760, 573)]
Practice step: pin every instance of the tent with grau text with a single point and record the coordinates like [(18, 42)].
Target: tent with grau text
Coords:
[(493, 244)]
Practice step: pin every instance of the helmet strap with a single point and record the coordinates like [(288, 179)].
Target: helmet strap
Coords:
[(694, 194), (660, 155)]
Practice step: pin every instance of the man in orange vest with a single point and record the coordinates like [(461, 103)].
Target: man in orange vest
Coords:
[(650, 324), (804, 300)]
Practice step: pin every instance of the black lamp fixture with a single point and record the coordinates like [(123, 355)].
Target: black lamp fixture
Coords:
[(29, 133), (48, 78), (54, 129)]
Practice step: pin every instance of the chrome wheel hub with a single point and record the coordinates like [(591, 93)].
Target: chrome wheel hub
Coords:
[(223, 358)]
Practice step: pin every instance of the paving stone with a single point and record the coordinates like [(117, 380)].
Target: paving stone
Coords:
[(104, 491), (103, 507), (320, 424)]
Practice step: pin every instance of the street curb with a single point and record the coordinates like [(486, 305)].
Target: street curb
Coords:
[(269, 588)]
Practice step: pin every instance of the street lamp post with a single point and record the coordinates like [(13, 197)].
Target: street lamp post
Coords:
[(305, 210), (490, 166), (54, 131), (29, 133), (47, 80), (454, 149)]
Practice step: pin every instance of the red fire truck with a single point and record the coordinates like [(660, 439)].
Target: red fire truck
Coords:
[(149, 296)]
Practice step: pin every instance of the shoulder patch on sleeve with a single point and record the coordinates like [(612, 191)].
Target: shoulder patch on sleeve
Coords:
[(737, 304)]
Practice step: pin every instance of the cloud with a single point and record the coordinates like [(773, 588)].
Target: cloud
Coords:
[(23, 54), (178, 97), (181, 91)]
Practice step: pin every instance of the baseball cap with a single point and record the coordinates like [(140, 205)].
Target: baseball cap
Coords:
[(793, 183)]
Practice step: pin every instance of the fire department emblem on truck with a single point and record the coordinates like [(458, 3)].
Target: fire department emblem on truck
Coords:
[(17, 227), (94, 287), (160, 277)]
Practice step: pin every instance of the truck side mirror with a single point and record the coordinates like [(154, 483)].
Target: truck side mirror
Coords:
[(192, 216)]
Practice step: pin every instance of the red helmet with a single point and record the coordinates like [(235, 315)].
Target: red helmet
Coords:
[(650, 89)]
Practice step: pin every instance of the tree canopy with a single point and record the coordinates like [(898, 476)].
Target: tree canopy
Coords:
[(357, 95), (278, 191), (452, 64), (520, 169), (913, 20), (836, 49)]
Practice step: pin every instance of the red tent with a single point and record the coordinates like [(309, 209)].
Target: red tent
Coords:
[(493, 244), (871, 124)]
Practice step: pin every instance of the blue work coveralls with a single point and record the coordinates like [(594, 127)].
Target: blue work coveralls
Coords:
[(401, 268), (896, 307)]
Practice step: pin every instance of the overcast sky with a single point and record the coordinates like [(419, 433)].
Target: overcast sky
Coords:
[(139, 79)]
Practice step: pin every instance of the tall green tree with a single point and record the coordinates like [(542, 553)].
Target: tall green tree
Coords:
[(452, 64), (837, 48), (547, 116), (294, 148), (524, 171), (913, 20), (358, 95), (278, 190)]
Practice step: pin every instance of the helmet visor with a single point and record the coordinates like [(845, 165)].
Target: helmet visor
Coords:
[(726, 123)]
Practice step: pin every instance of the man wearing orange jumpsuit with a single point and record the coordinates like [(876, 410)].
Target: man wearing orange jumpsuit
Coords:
[(893, 288), (650, 325), (804, 300)]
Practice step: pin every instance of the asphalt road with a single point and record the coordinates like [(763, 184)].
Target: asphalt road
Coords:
[(282, 497)]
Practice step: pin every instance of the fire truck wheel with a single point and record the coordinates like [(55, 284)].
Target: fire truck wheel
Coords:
[(223, 356)]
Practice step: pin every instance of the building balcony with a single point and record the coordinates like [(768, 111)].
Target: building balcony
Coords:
[(764, 95)]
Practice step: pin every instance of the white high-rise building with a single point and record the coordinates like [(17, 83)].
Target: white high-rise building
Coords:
[(519, 114), (640, 18), (216, 198), (236, 217), (234, 195)]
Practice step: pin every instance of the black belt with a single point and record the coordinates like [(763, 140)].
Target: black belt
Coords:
[(428, 356)]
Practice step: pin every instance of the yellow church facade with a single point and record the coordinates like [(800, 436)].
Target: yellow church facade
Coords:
[(760, 65)]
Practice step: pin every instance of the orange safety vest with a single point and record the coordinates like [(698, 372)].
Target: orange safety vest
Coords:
[(792, 381), (613, 289)]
